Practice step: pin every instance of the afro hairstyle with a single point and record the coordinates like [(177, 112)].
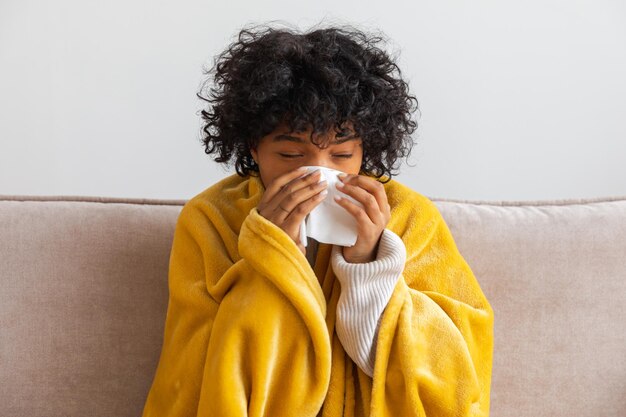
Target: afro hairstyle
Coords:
[(318, 79)]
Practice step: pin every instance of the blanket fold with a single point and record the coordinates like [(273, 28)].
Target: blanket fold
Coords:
[(250, 328)]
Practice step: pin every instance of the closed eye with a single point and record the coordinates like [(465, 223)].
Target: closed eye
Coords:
[(296, 156)]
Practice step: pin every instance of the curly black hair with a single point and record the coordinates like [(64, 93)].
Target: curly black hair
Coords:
[(319, 79)]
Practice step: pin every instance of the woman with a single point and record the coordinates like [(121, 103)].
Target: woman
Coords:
[(259, 325)]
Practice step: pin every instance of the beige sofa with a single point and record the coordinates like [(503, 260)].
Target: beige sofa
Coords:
[(84, 294)]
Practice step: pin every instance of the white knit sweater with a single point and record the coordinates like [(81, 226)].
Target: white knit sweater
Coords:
[(365, 292)]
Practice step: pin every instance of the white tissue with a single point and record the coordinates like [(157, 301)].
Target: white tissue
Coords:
[(329, 222)]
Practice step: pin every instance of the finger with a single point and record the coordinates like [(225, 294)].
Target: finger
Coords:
[(293, 221), (278, 183), (297, 191), (372, 186), (278, 200), (292, 199), (273, 202), (368, 200), (362, 218)]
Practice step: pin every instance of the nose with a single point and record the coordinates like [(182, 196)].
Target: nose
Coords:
[(319, 159)]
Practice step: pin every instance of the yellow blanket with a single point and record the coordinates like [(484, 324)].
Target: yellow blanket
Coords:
[(249, 329)]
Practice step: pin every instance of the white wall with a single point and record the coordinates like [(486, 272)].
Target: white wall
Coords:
[(519, 100)]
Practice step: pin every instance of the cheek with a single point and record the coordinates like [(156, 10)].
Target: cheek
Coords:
[(265, 179), (268, 175)]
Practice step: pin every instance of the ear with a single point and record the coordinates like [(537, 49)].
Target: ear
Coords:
[(254, 154)]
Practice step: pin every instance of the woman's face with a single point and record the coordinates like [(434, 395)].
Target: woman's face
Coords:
[(280, 152)]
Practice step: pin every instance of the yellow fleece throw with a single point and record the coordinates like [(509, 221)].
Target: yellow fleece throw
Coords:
[(250, 326)]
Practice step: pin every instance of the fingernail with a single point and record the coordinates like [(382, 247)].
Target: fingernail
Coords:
[(342, 175)]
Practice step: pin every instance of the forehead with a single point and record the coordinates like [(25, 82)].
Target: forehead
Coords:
[(283, 134)]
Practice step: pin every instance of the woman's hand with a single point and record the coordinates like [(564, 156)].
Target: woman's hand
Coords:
[(288, 199), (371, 219)]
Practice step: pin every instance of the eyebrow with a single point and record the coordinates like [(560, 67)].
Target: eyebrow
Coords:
[(283, 137)]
